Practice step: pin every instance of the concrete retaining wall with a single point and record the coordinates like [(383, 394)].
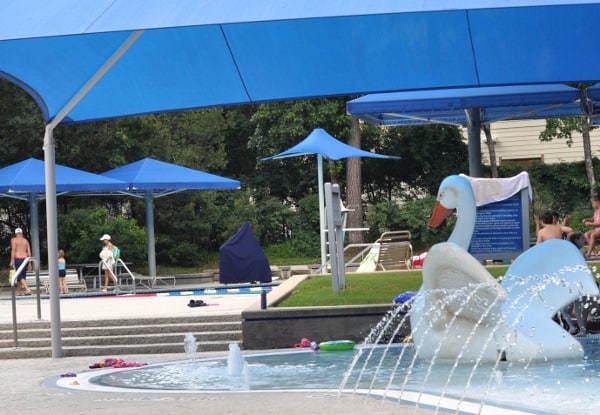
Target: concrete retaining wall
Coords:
[(283, 327)]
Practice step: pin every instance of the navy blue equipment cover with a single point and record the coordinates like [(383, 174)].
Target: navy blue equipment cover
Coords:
[(242, 259)]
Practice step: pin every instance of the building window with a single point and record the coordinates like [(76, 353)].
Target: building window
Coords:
[(521, 162)]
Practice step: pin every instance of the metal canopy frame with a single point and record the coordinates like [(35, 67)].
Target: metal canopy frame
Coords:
[(473, 107)]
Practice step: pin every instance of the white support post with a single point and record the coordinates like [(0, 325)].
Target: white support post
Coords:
[(322, 229), (150, 233), (50, 169), (52, 224)]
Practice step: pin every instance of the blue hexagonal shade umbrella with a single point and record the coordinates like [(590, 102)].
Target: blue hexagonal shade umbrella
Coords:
[(320, 143), (149, 178)]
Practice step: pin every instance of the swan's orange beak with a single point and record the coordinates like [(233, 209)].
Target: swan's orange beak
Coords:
[(440, 213)]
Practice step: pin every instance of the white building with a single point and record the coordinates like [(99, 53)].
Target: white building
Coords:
[(517, 142)]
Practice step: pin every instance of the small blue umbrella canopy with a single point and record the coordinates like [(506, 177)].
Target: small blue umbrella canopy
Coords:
[(26, 180), (150, 178), (320, 142), (28, 177), (165, 178), (324, 145)]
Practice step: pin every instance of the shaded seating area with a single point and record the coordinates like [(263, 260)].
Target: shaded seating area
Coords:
[(395, 250)]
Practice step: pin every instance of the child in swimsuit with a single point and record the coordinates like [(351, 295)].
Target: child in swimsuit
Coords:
[(62, 272), (591, 235)]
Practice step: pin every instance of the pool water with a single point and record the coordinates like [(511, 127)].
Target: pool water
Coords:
[(560, 387)]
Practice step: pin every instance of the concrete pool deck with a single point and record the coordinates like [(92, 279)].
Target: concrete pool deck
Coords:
[(29, 384), (28, 389)]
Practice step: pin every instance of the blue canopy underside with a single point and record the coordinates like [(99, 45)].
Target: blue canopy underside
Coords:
[(28, 176), (196, 54), (497, 104), (165, 178), (321, 142)]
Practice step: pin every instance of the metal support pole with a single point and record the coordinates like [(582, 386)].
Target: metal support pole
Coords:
[(49, 162), (14, 314), (23, 268), (474, 136), (34, 227), (322, 230), (150, 233), (52, 224), (38, 287)]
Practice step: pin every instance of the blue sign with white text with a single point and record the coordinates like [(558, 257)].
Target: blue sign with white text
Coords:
[(499, 229)]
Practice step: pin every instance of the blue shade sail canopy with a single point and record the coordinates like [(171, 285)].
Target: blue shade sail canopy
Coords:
[(28, 177), (91, 60), (447, 106), (164, 178), (320, 142), (198, 53)]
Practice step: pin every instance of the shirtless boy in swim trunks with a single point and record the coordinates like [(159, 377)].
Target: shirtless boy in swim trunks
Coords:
[(19, 250), (550, 229)]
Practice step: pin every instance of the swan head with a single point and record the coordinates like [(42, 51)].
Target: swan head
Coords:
[(454, 191)]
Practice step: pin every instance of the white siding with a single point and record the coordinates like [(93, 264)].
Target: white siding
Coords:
[(520, 140)]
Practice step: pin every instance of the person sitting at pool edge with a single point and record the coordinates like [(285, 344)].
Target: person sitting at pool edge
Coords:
[(549, 229)]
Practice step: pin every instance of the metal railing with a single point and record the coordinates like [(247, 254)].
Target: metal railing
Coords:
[(361, 254), (366, 248), (23, 269), (118, 263)]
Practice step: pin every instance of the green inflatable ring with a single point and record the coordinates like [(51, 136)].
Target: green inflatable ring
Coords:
[(336, 345)]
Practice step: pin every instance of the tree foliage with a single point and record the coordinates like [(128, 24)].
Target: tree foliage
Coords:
[(564, 128), (80, 230), (428, 154), (412, 216)]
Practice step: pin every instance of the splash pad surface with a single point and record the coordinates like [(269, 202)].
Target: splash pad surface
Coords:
[(392, 373)]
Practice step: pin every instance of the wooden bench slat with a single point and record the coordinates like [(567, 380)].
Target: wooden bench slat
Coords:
[(71, 279)]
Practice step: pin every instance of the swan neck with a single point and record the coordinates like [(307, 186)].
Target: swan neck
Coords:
[(465, 223)]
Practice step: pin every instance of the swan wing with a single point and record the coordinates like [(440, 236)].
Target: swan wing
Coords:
[(548, 277), (455, 282)]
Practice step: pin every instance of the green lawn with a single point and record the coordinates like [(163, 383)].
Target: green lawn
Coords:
[(376, 288)]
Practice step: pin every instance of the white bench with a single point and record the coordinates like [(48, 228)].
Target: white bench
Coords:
[(71, 279)]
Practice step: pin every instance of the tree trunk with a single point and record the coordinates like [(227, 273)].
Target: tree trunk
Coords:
[(491, 149), (354, 187), (587, 154)]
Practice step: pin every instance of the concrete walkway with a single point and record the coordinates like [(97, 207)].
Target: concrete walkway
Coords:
[(28, 389), (126, 306), (29, 384)]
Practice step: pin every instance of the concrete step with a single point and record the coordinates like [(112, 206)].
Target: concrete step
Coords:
[(151, 329), (109, 351), (126, 322), (126, 339), (129, 329), (141, 349), (25, 353), (121, 337)]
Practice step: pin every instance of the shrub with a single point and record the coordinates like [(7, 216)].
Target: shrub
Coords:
[(80, 230)]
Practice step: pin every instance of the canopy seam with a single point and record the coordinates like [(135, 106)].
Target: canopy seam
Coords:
[(237, 68), (472, 47)]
